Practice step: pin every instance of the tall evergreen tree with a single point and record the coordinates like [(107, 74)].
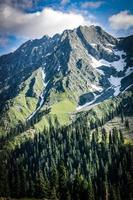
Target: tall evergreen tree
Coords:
[(41, 186), (64, 192)]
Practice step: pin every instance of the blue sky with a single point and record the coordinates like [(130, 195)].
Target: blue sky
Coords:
[(34, 18)]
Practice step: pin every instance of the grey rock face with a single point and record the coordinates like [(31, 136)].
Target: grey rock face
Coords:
[(83, 62)]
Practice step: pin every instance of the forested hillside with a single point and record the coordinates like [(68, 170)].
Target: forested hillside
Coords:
[(80, 161), (70, 163)]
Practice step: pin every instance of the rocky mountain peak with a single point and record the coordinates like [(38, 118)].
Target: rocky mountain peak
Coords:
[(86, 60), (96, 35)]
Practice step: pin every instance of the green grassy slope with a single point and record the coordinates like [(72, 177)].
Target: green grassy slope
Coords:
[(20, 107), (65, 112)]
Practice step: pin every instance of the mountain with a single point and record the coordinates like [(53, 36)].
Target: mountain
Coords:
[(66, 114), (75, 70)]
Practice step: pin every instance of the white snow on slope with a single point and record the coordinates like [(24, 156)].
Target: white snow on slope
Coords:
[(34, 49), (41, 97), (59, 67), (118, 65), (116, 84), (110, 45), (97, 63), (48, 54), (127, 88), (129, 71), (116, 81), (96, 87), (110, 50), (93, 44)]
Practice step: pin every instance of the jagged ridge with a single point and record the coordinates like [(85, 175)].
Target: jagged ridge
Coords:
[(86, 64)]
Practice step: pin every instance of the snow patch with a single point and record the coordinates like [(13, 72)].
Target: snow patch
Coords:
[(59, 67), (116, 84), (34, 49), (118, 65), (108, 48), (96, 87), (93, 44), (116, 81), (129, 71), (48, 54), (98, 63), (127, 88)]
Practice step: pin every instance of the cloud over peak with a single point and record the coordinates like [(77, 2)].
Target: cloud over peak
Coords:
[(121, 21), (34, 25)]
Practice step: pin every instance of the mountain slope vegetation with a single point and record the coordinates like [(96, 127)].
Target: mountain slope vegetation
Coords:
[(66, 109)]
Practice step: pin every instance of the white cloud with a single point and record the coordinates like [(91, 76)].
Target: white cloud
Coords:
[(121, 21), (35, 25), (92, 4)]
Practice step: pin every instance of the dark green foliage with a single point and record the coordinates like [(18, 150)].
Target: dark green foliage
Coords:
[(41, 186), (70, 163), (127, 123), (30, 92), (63, 182)]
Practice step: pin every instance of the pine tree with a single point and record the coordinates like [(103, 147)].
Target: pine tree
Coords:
[(129, 194), (64, 192), (122, 117), (76, 188), (54, 183), (53, 194), (90, 191), (31, 189), (85, 190), (23, 182), (121, 137), (105, 190), (127, 123), (41, 186), (4, 183)]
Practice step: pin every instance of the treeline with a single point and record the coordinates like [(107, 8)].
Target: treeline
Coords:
[(22, 127), (70, 163), (123, 108)]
